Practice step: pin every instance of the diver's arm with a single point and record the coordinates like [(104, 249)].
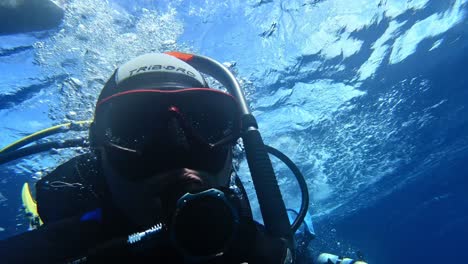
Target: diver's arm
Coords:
[(73, 239), (52, 243)]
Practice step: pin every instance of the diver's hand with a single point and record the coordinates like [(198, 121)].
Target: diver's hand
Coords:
[(269, 249), (258, 246)]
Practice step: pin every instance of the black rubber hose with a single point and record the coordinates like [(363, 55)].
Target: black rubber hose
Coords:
[(302, 185), (245, 204), (41, 147), (264, 180)]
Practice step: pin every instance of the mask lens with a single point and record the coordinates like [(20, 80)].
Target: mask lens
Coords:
[(147, 134)]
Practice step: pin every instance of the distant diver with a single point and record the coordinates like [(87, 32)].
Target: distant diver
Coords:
[(326, 258), (22, 16)]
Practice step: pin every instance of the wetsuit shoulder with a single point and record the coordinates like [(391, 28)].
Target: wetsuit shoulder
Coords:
[(73, 188)]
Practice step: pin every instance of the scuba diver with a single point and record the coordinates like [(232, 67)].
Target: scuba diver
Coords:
[(158, 184)]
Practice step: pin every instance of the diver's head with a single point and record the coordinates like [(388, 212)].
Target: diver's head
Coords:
[(156, 116)]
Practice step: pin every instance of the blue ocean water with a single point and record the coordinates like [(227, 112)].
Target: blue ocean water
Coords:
[(369, 97)]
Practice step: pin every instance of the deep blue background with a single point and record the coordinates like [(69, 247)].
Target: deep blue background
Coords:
[(425, 219), (423, 222)]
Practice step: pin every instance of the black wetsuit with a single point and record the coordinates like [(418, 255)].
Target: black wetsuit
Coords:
[(81, 222)]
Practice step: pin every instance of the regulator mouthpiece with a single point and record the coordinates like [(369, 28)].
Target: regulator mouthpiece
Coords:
[(204, 224)]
